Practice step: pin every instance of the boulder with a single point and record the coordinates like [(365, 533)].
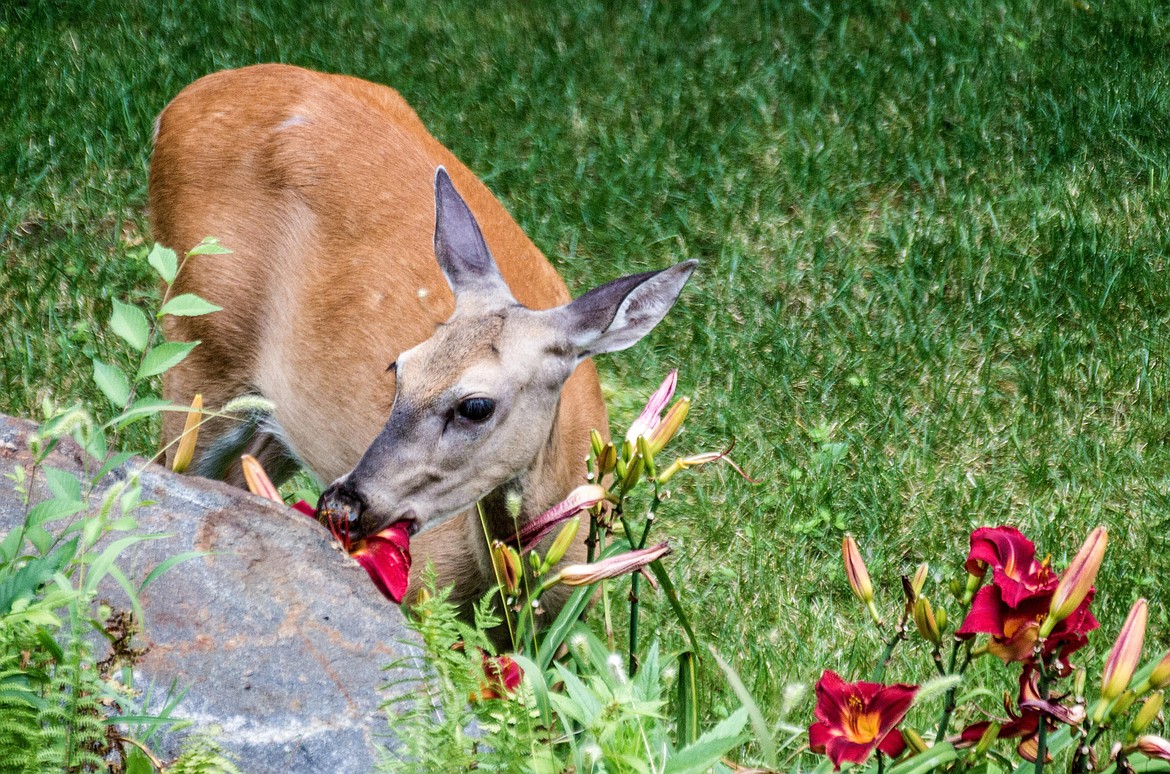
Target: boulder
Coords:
[(279, 639)]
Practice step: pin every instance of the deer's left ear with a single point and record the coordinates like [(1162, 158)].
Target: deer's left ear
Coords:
[(461, 251), (618, 314)]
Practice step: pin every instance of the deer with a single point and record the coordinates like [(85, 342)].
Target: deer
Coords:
[(417, 349)]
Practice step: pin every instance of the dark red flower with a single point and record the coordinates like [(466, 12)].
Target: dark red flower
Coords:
[(386, 557), (855, 718), (1012, 560), (1024, 724), (502, 677), (1013, 608)]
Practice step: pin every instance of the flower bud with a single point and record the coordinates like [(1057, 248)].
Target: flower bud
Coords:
[(258, 481), (1150, 709), (606, 460), (914, 741), (649, 419), (855, 570), (968, 590), (1123, 658), (596, 443), (1103, 710), (1079, 679), (633, 472), (925, 621), (919, 580), (647, 456), (1076, 581), (507, 566), (563, 540), (1154, 747), (990, 735), (1160, 677), (186, 450), (669, 426), (614, 566), (940, 616)]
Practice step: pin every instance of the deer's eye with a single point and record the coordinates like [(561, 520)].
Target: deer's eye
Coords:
[(476, 409)]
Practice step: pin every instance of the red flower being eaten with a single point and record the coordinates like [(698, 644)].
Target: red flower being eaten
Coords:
[(853, 719), (386, 557)]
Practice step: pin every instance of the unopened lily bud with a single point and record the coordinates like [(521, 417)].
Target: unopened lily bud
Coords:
[(607, 460), (1154, 747), (990, 735), (186, 450), (925, 621), (507, 566), (1122, 705), (1079, 679), (1076, 581), (1123, 658), (614, 566), (968, 591), (633, 472), (855, 570), (914, 741), (1160, 677), (257, 480), (563, 540), (919, 579), (647, 456), (1145, 716), (940, 616), (669, 426), (596, 443)]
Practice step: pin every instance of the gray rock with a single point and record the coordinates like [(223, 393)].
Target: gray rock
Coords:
[(279, 638)]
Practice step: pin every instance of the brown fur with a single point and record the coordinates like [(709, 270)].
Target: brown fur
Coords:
[(321, 185)]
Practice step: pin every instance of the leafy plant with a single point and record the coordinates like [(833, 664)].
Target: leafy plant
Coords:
[(60, 707)]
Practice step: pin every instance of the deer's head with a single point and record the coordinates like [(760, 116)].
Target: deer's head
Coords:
[(476, 402)]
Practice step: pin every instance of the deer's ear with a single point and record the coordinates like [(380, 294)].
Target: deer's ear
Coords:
[(462, 253), (616, 315)]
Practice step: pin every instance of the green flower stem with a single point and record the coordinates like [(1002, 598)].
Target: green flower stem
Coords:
[(1042, 733), (952, 694)]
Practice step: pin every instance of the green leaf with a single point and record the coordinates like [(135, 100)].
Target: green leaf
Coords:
[(939, 755), (63, 484), (759, 725), (112, 382), (129, 322), (567, 618), (101, 566), (188, 305), (710, 747), (209, 246), (111, 463), (164, 356), (687, 710), (169, 563), (143, 407), (532, 674), (165, 262), (53, 510), (663, 577)]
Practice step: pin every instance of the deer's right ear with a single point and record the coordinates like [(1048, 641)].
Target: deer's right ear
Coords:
[(461, 251), (618, 314)]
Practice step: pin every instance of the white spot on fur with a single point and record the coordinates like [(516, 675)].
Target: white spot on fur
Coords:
[(288, 123)]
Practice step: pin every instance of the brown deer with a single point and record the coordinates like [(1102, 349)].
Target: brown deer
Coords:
[(359, 242)]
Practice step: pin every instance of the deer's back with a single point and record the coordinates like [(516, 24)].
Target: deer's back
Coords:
[(322, 187)]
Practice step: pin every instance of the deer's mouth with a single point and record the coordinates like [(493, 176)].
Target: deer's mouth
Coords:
[(385, 554)]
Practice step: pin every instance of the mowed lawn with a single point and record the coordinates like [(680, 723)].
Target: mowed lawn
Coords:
[(933, 237)]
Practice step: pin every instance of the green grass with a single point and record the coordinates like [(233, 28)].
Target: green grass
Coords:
[(933, 233)]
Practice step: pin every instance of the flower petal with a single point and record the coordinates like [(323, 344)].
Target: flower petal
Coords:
[(386, 557)]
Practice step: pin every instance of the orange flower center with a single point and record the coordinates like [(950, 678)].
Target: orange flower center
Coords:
[(861, 727)]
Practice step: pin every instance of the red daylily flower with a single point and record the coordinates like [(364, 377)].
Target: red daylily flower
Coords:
[(502, 677), (1025, 723), (854, 719), (1015, 630), (386, 557), (1012, 560)]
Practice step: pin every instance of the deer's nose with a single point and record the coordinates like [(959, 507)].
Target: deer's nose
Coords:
[(340, 510)]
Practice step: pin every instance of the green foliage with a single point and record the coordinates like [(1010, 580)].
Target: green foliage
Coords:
[(586, 715), (59, 705)]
